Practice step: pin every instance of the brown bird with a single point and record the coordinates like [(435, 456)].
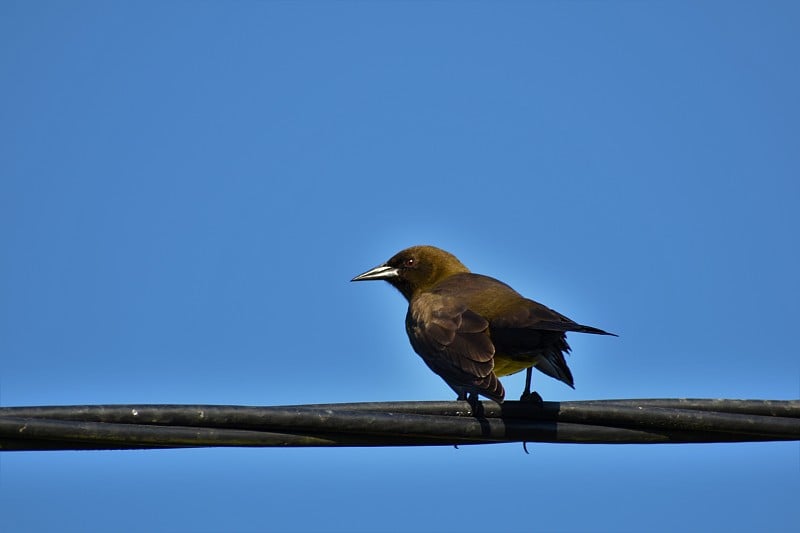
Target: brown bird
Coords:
[(470, 328)]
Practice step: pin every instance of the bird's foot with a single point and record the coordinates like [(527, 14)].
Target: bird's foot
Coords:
[(474, 402), (531, 397)]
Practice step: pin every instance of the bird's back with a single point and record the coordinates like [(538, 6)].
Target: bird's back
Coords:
[(502, 306)]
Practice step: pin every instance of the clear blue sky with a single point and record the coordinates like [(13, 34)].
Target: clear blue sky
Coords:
[(186, 189)]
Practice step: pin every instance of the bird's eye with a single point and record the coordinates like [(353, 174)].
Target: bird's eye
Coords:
[(409, 262)]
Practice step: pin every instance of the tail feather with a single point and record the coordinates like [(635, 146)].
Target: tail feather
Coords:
[(580, 328), (568, 325), (554, 365)]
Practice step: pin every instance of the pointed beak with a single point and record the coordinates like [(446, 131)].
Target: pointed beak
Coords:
[(379, 272)]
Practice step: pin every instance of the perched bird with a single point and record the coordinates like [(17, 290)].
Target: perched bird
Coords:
[(470, 328)]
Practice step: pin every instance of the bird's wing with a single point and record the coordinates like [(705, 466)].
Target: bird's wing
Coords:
[(454, 342), (533, 315), (490, 297)]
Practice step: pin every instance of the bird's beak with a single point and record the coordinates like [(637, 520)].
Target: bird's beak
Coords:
[(379, 272)]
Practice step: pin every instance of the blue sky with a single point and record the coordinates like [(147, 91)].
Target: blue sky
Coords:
[(187, 187)]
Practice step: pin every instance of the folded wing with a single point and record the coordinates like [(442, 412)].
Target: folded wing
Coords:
[(454, 342)]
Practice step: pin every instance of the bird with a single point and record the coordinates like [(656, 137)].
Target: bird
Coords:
[(471, 329)]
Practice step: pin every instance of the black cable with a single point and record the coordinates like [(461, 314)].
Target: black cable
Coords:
[(397, 424)]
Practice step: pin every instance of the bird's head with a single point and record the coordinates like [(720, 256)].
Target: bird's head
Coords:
[(415, 269)]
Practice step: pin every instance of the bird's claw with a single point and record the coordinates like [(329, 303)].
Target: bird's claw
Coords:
[(531, 397)]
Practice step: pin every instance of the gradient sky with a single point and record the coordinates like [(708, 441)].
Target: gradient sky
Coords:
[(186, 189)]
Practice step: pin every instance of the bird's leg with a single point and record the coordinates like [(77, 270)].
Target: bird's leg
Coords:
[(527, 395), (475, 403), (528, 375)]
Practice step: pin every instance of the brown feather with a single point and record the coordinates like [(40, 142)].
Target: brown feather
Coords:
[(465, 325)]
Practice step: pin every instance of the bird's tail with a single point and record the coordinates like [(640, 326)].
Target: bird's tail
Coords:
[(553, 362), (580, 328), (554, 365)]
